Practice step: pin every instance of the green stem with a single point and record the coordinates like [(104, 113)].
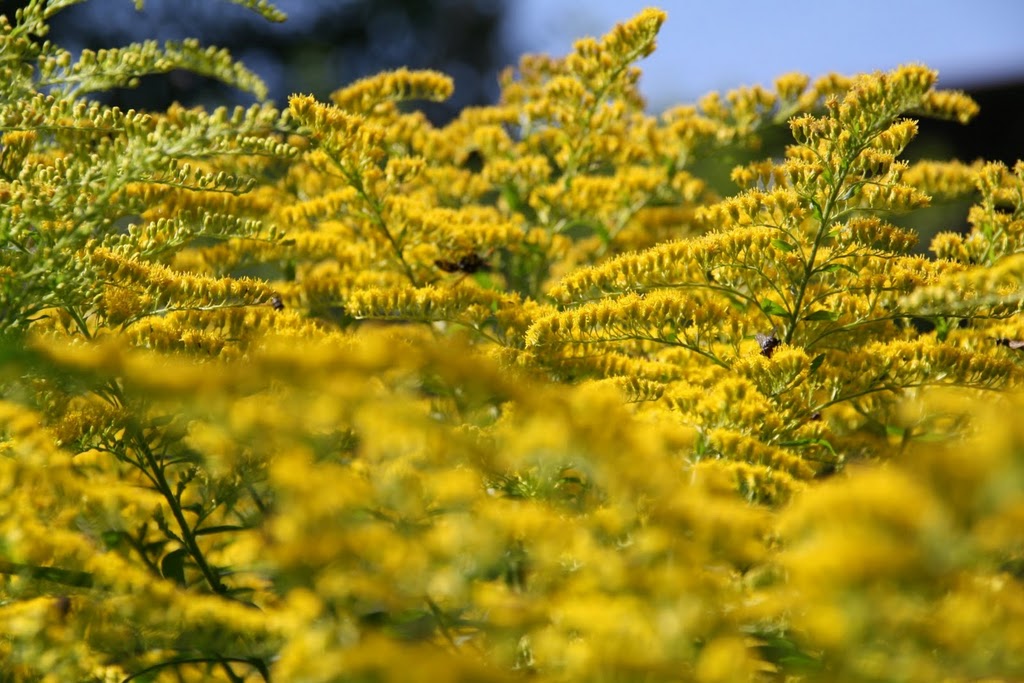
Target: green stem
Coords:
[(66, 577), (187, 537), (378, 218), (440, 619), (79, 321)]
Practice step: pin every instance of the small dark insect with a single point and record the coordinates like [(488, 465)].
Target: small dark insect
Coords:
[(1012, 343), (474, 161), (63, 605), (768, 343), (276, 303), (815, 416), (469, 264)]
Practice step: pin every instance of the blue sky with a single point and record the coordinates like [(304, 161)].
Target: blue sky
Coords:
[(721, 44)]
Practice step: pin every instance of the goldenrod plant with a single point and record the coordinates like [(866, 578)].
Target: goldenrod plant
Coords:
[(329, 393)]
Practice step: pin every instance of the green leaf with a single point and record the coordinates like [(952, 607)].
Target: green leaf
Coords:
[(511, 195), (772, 308), (195, 508), (736, 302), (822, 314), (111, 538), (782, 245), (816, 362), (580, 229), (172, 566)]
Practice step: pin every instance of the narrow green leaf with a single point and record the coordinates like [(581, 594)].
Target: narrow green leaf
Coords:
[(772, 308), (816, 362), (195, 508), (737, 303), (782, 245), (580, 229)]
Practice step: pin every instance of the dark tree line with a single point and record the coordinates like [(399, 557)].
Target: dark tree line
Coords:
[(323, 45)]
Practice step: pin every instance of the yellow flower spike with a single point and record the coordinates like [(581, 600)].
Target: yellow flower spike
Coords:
[(492, 140), (736, 446), (896, 137), (365, 95), (949, 104), (990, 290), (526, 171), (791, 86), (522, 390)]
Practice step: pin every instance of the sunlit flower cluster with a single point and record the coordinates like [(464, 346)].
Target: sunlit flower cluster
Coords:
[(333, 393)]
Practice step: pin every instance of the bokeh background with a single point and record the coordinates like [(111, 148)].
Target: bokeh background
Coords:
[(976, 46)]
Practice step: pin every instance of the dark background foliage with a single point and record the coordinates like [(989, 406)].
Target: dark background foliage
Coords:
[(326, 44), (323, 45)]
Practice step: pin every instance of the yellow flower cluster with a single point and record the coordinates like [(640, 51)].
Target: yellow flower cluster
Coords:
[(333, 393)]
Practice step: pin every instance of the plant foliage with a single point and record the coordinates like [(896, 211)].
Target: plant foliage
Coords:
[(329, 393)]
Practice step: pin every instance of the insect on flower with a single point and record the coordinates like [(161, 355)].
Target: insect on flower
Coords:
[(768, 343), (276, 303), (469, 264), (1012, 343)]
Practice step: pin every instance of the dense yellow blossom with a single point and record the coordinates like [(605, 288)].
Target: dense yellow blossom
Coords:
[(333, 393)]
